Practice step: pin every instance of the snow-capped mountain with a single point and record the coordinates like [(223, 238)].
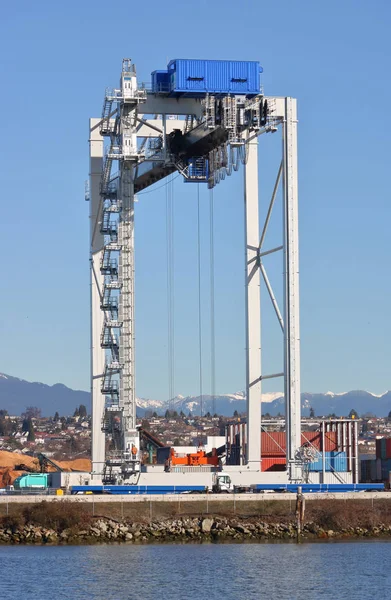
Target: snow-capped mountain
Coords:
[(16, 394), (225, 404), (273, 403)]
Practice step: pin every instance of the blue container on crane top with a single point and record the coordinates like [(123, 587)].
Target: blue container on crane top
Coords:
[(195, 78)]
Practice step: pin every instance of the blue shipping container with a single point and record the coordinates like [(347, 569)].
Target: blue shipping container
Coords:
[(198, 77), (334, 461), (385, 469)]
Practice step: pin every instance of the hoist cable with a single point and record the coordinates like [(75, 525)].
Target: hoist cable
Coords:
[(173, 286), (160, 186), (168, 230), (170, 287), (199, 297), (212, 306)]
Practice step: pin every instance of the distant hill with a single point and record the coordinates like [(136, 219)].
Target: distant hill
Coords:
[(342, 403), (16, 394)]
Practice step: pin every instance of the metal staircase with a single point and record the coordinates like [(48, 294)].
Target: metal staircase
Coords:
[(109, 266), (105, 180), (109, 383), (229, 116), (116, 218), (106, 125), (210, 112), (116, 263), (110, 337), (109, 304), (189, 123)]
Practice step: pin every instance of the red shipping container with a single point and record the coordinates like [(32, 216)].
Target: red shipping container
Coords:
[(315, 438), (275, 463), (273, 442), (330, 441), (388, 448), (378, 448)]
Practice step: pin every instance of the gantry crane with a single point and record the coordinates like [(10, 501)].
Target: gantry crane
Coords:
[(219, 113)]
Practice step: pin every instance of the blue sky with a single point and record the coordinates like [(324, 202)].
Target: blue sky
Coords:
[(57, 59)]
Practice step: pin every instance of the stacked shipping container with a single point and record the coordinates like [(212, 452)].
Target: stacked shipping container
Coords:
[(273, 449), (273, 442), (371, 471), (383, 448), (273, 446), (381, 467)]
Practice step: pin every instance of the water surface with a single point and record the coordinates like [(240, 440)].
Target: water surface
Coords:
[(282, 571)]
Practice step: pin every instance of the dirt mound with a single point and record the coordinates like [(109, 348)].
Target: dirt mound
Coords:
[(79, 464), (14, 459), (8, 476)]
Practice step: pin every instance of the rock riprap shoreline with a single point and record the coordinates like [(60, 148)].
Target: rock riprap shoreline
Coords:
[(180, 530), (65, 522)]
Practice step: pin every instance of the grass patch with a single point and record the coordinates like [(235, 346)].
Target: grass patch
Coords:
[(340, 514), (49, 515)]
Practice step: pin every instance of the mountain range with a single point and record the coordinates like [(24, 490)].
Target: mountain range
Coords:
[(273, 403), (16, 394)]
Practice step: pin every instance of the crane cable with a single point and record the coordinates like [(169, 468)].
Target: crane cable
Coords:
[(170, 288), (212, 305), (199, 297), (154, 189), (171, 194)]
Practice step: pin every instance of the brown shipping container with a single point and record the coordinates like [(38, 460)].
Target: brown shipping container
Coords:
[(273, 442)]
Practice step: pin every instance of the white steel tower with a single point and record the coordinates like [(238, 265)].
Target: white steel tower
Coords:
[(113, 377)]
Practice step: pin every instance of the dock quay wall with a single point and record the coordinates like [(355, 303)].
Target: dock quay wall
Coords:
[(182, 518)]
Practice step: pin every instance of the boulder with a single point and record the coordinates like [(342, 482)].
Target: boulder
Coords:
[(206, 525), (102, 526), (242, 529)]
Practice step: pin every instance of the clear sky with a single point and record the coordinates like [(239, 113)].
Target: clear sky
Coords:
[(56, 60)]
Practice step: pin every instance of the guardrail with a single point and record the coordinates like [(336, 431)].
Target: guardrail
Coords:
[(30, 492)]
